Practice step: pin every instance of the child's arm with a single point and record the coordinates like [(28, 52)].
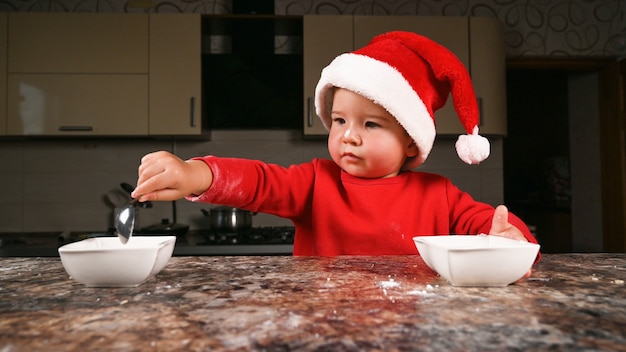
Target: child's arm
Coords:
[(163, 176)]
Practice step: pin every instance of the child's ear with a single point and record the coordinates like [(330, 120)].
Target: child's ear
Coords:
[(412, 150)]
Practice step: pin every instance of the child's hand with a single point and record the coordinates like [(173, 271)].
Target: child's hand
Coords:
[(163, 176), (500, 226)]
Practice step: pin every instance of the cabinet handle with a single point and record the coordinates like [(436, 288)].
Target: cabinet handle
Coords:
[(192, 112), (310, 112), (76, 128)]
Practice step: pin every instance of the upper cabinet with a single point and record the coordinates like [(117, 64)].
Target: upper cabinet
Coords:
[(175, 74), (98, 74), (3, 73), (77, 104), (477, 42), (323, 38), (77, 74), (488, 70), (78, 43)]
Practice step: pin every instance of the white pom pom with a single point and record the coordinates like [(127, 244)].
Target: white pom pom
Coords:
[(472, 148)]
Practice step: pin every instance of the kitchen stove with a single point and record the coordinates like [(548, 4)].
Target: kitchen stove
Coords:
[(254, 241), (255, 235)]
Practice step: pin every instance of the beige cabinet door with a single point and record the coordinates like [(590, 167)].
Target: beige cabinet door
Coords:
[(77, 74), (324, 38), (175, 74), (488, 59), (77, 104), (3, 73), (448, 31), (77, 43)]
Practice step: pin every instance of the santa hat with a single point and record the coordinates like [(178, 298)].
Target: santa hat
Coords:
[(410, 76)]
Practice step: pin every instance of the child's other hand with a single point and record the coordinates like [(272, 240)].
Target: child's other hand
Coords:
[(164, 176), (500, 226)]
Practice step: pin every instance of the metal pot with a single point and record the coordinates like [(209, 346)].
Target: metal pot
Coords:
[(229, 219)]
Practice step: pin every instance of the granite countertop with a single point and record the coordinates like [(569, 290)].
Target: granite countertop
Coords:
[(571, 302)]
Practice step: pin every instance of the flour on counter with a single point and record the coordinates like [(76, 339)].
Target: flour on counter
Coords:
[(388, 284), (424, 293)]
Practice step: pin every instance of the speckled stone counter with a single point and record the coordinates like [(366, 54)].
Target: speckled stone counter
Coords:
[(571, 302)]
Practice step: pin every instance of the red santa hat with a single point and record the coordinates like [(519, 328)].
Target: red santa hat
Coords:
[(410, 76)]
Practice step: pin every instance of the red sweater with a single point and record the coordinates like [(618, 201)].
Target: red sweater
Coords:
[(338, 214)]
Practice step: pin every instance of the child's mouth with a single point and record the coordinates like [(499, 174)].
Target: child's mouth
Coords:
[(350, 157)]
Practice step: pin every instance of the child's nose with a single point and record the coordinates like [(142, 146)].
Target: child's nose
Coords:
[(351, 136)]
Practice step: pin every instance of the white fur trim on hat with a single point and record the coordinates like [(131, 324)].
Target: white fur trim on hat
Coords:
[(385, 86)]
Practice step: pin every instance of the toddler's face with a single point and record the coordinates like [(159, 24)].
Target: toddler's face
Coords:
[(365, 140)]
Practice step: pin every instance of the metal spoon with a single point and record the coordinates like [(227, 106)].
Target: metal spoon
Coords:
[(125, 221)]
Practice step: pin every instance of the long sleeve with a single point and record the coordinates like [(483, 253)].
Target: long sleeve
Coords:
[(338, 214)]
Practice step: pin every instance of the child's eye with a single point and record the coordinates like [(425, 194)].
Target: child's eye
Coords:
[(339, 120), (371, 124)]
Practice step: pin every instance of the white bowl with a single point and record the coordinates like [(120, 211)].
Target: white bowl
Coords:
[(479, 260), (106, 262)]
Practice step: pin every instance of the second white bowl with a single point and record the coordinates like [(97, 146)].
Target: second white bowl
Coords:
[(479, 260)]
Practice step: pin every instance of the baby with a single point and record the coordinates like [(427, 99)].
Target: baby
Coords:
[(378, 103)]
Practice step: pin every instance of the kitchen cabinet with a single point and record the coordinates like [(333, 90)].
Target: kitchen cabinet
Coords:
[(57, 43), (488, 70), (77, 104), (83, 74), (3, 73), (175, 74), (77, 74), (478, 43), (323, 38)]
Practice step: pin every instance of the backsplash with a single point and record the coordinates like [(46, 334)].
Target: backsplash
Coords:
[(61, 185)]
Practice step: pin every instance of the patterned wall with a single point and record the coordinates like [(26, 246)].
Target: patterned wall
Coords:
[(534, 28)]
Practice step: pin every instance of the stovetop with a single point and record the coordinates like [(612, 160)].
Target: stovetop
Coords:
[(255, 241), (255, 235)]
